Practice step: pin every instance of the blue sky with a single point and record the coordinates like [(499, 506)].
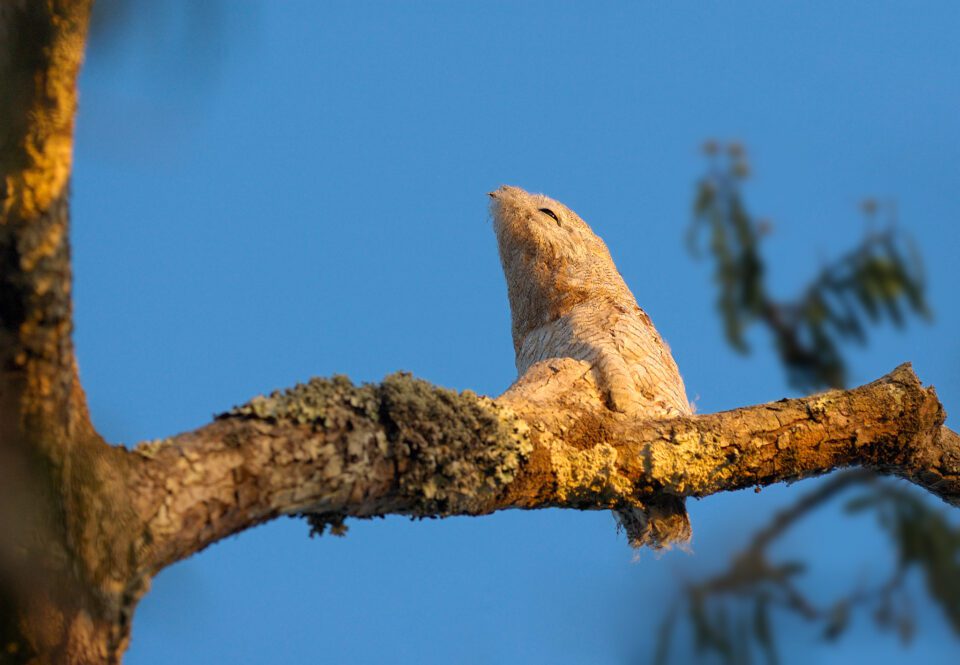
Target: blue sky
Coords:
[(298, 189)]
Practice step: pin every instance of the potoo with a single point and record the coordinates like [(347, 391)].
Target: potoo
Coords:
[(568, 300)]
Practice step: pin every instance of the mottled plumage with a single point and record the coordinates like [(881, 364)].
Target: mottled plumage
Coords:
[(568, 300)]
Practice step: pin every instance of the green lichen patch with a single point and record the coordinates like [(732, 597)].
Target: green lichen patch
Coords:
[(451, 453), (455, 451), (310, 402)]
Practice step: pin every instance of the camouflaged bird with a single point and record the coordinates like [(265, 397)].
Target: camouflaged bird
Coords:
[(568, 300)]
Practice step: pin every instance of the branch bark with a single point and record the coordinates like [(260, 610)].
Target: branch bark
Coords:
[(405, 447)]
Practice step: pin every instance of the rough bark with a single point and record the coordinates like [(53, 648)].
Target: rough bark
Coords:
[(336, 450), (57, 478), (85, 525)]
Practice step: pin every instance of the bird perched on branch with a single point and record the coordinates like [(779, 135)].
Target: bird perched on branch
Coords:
[(568, 300)]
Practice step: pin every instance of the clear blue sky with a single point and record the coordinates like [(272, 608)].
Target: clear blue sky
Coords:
[(298, 189)]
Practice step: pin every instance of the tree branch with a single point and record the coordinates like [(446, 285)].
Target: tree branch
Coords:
[(406, 447), (893, 425), (327, 447)]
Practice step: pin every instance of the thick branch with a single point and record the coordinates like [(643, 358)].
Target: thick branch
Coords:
[(893, 425), (410, 448), (331, 449)]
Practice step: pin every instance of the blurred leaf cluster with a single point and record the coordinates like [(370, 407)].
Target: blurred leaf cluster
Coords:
[(731, 615), (924, 539), (173, 42), (880, 279)]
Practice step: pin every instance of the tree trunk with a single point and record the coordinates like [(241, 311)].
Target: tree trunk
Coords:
[(57, 489)]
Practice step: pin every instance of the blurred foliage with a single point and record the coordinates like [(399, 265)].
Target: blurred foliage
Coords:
[(880, 279), (189, 24), (731, 616), (180, 43)]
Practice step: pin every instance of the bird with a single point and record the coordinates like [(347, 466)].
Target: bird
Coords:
[(568, 300)]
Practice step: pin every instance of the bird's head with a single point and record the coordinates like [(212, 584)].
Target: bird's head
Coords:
[(551, 258)]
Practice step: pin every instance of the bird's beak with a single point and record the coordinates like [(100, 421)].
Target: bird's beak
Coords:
[(492, 195)]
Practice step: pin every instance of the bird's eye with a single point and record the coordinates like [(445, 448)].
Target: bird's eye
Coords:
[(547, 211)]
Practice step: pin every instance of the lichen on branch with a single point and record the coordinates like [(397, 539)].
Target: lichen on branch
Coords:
[(453, 451), (331, 448)]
